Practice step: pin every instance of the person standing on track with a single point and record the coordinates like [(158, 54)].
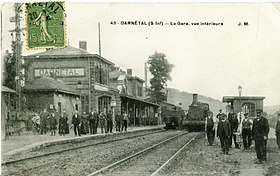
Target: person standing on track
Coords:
[(223, 133), (260, 134), (210, 127), (277, 131)]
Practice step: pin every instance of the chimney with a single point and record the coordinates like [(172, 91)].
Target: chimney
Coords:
[(195, 100), (83, 45), (129, 71)]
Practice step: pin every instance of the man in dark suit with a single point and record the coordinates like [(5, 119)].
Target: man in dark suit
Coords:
[(223, 133), (210, 127), (76, 122), (92, 121), (260, 134), (109, 122), (233, 121)]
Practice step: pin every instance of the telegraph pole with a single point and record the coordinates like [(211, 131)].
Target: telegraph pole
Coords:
[(99, 39), (17, 51)]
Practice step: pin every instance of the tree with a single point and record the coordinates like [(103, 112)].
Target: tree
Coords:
[(9, 73), (160, 68)]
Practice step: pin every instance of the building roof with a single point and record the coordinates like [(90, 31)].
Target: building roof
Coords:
[(67, 52), (116, 73), (231, 98), (49, 84), (137, 99), (7, 89)]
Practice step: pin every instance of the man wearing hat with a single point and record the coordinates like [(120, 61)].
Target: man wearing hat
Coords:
[(220, 115), (210, 127), (260, 135), (277, 131), (223, 133), (246, 132)]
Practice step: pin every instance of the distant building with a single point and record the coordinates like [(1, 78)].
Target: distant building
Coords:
[(247, 104), (130, 90)]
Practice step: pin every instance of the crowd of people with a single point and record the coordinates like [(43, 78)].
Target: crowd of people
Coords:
[(240, 130), (86, 123)]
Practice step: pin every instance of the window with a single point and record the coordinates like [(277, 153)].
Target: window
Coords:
[(59, 107), (249, 108), (101, 73), (104, 104), (76, 107), (139, 89)]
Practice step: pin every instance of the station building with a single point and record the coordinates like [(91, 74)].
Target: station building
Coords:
[(80, 70), (131, 97), (83, 81), (52, 94), (247, 104)]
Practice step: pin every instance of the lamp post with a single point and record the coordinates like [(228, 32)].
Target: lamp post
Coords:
[(239, 90)]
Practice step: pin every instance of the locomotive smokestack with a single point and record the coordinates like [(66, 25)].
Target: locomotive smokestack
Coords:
[(195, 100)]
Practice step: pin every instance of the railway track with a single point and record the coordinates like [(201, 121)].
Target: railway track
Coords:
[(44, 164), (143, 162), (5, 163)]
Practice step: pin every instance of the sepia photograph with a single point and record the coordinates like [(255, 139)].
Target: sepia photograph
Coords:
[(140, 88)]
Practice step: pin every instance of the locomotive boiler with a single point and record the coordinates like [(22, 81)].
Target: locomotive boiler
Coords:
[(195, 118)]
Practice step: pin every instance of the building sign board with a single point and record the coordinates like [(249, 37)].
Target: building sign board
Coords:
[(59, 72)]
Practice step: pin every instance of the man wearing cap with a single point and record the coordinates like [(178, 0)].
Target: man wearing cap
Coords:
[(260, 134), (223, 133), (233, 121), (76, 122), (220, 115), (277, 131), (246, 132), (210, 127)]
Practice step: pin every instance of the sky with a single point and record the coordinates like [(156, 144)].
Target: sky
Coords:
[(209, 60)]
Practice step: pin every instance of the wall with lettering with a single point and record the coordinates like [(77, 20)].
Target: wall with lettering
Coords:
[(67, 69), (59, 72)]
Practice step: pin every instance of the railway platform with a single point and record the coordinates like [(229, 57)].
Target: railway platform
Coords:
[(28, 141)]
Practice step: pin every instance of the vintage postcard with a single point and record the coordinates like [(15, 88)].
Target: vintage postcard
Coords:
[(140, 88)]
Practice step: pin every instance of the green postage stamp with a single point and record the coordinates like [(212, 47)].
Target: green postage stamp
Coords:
[(45, 25)]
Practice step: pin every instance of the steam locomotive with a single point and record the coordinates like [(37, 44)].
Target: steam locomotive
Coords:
[(175, 117), (172, 116), (195, 119)]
